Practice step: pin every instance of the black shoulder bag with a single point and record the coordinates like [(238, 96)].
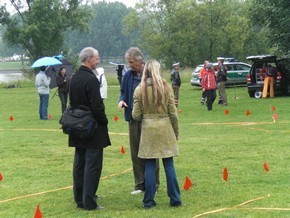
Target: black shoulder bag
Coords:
[(78, 121)]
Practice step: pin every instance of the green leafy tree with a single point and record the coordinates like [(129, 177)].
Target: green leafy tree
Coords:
[(105, 31), (190, 31), (39, 26), (274, 16)]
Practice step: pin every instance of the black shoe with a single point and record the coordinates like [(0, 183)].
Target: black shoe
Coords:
[(176, 205), (80, 206)]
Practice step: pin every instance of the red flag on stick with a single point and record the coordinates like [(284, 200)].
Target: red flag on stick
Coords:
[(11, 118), (275, 117), (225, 174), (248, 112), (187, 184), (266, 167), (227, 112), (37, 213), (123, 150), (1, 177), (273, 108), (116, 118)]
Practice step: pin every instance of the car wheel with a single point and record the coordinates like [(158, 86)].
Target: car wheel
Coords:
[(258, 94)]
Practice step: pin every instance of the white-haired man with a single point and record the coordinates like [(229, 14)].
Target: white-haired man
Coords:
[(88, 158)]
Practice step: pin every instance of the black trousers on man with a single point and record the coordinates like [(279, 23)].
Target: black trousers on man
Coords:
[(210, 98), (87, 171)]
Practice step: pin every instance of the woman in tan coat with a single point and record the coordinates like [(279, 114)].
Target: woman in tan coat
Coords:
[(154, 105)]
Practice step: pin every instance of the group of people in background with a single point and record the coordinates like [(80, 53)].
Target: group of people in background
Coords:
[(212, 80)]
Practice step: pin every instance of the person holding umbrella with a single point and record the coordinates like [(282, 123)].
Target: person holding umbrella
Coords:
[(42, 82), (62, 82)]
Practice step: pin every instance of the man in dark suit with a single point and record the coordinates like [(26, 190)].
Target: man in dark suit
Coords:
[(88, 159)]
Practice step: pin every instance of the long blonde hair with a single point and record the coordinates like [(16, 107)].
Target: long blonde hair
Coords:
[(160, 88)]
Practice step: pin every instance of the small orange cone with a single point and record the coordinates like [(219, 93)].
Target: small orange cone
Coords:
[(225, 174), (116, 118), (187, 184), (123, 150), (37, 213), (1, 177), (11, 118), (227, 112), (266, 167), (248, 112)]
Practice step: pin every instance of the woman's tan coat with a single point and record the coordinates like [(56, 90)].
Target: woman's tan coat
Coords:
[(159, 131)]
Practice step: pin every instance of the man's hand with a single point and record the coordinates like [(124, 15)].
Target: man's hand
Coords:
[(122, 104)]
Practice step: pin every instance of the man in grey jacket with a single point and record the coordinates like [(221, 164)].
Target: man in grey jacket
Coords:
[(42, 82)]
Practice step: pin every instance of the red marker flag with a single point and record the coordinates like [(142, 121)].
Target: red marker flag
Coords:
[(227, 112), (116, 118), (123, 150), (37, 213), (275, 117), (273, 108), (11, 118), (248, 112), (225, 174), (266, 167), (1, 177), (187, 184)]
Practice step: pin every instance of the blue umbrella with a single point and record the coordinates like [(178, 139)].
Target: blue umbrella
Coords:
[(46, 61)]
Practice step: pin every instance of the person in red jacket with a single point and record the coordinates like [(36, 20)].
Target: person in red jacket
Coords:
[(201, 72), (209, 85)]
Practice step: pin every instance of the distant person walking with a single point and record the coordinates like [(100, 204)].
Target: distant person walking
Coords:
[(62, 82), (154, 105), (209, 85), (270, 72), (176, 82), (100, 74), (201, 73), (42, 82), (221, 81)]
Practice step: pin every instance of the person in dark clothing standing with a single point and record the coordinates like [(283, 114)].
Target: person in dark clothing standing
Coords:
[(131, 80), (62, 82), (88, 158), (176, 82), (221, 81)]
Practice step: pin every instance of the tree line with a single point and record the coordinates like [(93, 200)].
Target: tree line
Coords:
[(187, 31)]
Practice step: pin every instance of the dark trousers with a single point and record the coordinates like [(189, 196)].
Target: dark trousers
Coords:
[(210, 97), (87, 171), (43, 105), (138, 163), (173, 191), (63, 99)]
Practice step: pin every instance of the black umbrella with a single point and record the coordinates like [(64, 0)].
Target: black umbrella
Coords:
[(52, 72)]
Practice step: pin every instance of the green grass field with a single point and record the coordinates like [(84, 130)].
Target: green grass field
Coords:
[(36, 163)]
